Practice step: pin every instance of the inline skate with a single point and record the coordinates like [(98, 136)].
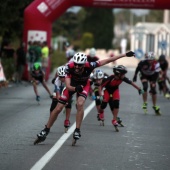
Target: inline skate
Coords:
[(76, 136), (157, 110), (42, 135), (144, 107), (66, 125), (167, 96), (115, 124), (100, 118), (119, 121), (38, 99)]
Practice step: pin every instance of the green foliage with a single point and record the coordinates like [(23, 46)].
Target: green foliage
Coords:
[(58, 58), (100, 23), (87, 40), (11, 15), (155, 16)]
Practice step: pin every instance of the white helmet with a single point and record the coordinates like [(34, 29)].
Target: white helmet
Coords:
[(61, 71), (70, 53), (98, 74), (80, 58), (150, 55), (92, 52)]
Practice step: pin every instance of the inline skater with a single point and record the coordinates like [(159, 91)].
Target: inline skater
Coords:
[(98, 78), (149, 69), (111, 92), (38, 76), (163, 76), (59, 84), (70, 54), (77, 81), (91, 57)]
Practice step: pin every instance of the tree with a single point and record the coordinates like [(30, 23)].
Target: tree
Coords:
[(11, 18), (87, 41), (100, 23)]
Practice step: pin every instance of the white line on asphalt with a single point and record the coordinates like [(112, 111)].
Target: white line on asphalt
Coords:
[(47, 157)]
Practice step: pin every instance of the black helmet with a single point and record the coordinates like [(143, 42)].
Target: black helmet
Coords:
[(162, 57), (120, 69)]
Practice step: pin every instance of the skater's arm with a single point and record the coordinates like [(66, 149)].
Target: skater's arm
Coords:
[(128, 81), (111, 59), (135, 86)]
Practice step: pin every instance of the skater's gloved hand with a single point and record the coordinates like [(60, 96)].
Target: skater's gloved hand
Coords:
[(53, 80), (134, 78), (130, 54), (140, 91), (79, 88)]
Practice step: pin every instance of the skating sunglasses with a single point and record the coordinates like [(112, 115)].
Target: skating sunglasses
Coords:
[(79, 65), (62, 76)]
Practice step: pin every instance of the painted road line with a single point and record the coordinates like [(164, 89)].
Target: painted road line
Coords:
[(48, 156)]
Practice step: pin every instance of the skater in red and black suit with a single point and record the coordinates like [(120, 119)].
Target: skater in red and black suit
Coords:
[(77, 81), (111, 93)]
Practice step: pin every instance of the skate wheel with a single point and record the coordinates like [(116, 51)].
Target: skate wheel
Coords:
[(116, 128), (158, 113), (74, 142), (37, 141), (102, 123), (66, 129), (121, 125), (145, 111)]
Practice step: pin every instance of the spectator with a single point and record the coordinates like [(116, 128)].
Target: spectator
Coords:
[(44, 55), (20, 61)]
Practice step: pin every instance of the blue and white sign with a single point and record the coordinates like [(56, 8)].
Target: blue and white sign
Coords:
[(162, 44), (139, 54)]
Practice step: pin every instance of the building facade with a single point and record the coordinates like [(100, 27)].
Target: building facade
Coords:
[(151, 37)]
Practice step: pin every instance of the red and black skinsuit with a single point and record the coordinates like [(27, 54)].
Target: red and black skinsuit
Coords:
[(149, 71), (78, 79), (111, 91)]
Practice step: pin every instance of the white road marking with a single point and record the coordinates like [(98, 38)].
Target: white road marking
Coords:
[(48, 156)]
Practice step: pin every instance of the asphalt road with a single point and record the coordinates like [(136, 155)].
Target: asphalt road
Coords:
[(144, 142)]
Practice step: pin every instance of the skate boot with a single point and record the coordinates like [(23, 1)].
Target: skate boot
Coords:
[(157, 110), (42, 135), (66, 125), (144, 107), (115, 124), (38, 99), (119, 121), (76, 136), (100, 118)]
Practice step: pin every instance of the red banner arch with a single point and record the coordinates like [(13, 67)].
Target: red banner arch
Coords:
[(40, 14)]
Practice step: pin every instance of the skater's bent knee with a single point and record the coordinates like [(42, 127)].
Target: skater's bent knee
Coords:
[(103, 105), (145, 86)]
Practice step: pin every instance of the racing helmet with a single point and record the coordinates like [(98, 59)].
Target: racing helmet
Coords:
[(120, 69), (162, 57), (61, 71), (98, 74), (92, 52), (70, 53), (36, 66), (150, 55), (79, 58)]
